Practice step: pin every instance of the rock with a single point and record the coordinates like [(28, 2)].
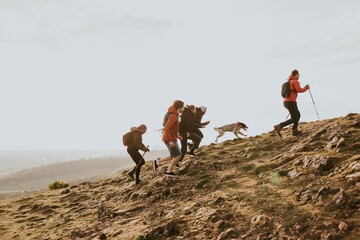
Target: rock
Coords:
[(293, 173), (340, 198), (220, 225), (228, 234), (319, 163), (343, 227), (326, 236), (328, 223), (66, 191), (340, 143), (218, 201)]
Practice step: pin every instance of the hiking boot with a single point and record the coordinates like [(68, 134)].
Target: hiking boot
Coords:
[(137, 182), (190, 145), (170, 174), (296, 132), (131, 175), (154, 165), (278, 130)]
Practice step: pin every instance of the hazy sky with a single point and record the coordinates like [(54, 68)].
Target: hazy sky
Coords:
[(78, 74)]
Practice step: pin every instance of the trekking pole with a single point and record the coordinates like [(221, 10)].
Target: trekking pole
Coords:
[(144, 153), (314, 104)]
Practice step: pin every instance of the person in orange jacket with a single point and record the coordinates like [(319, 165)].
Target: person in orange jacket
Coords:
[(291, 105), (170, 136)]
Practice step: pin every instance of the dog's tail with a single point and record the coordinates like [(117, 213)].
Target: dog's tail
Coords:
[(216, 128)]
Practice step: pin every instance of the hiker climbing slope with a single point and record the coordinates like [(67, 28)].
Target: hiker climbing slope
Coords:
[(133, 141), (170, 136), (291, 105), (199, 113), (187, 131)]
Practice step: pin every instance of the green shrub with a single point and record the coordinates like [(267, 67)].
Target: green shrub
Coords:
[(58, 185)]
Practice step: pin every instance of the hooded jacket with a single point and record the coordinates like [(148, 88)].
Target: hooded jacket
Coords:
[(137, 139), (294, 89), (171, 129)]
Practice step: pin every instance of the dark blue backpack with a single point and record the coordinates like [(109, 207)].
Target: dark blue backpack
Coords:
[(285, 89)]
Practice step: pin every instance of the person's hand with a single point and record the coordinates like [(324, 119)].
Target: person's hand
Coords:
[(146, 149), (206, 123), (187, 134), (172, 144), (307, 86), (180, 137)]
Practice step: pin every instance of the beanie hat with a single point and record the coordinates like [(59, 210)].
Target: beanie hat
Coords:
[(203, 109)]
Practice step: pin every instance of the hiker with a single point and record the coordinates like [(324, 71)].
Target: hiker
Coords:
[(170, 136), (187, 131), (199, 113), (135, 144), (291, 105)]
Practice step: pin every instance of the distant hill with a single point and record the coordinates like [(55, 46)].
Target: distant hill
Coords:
[(76, 171), (259, 187)]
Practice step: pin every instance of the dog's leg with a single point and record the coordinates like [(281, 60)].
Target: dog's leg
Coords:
[(242, 133), (236, 133), (221, 133)]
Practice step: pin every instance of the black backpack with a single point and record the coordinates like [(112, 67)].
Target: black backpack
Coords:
[(127, 138), (285, 89)]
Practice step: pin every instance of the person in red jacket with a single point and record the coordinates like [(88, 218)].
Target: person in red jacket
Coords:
[(170, 136), (291, 105)]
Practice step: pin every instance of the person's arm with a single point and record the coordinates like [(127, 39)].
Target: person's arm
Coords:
[(138, 141), (296, 85)]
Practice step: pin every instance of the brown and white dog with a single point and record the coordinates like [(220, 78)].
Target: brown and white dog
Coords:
[(234, 127)]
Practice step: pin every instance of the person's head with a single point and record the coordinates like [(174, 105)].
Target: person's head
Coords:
[(192, 108), (295, 73), (142, 128), (179, 105), (203, 109)]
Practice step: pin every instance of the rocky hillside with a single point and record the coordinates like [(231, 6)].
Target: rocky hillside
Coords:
[(259, 187)]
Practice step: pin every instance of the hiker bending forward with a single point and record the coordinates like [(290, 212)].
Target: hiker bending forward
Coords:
[(187, 131), (133, 149), (170, 136), (291, 104)]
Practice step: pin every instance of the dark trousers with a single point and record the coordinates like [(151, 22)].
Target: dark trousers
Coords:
[(198, 132), (138, 159), (294, 115), (196, 139)]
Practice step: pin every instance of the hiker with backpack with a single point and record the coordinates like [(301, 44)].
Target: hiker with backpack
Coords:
[(170, 136), (199, 113), (289, 92), (187, 131), (133, 141)]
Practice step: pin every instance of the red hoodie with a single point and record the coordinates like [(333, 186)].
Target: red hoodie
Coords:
[(294, 89), (171, 129)]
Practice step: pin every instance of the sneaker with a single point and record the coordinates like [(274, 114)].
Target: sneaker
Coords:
[(296, 132), (131, 175), (278, 129), (154, 165), (170, 174)]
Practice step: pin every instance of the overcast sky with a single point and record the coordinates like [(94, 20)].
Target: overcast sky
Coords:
[(79, 74)]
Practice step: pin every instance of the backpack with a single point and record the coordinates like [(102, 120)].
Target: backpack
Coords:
[(127, 138), (285, 89), (166, 117)]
